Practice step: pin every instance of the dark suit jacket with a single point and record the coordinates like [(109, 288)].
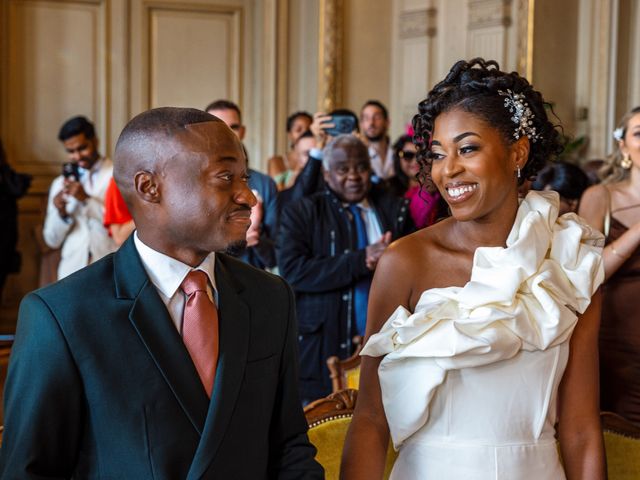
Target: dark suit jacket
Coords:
[(101, 386)]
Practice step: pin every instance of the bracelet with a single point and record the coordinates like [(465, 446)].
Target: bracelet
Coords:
[(616, 253)]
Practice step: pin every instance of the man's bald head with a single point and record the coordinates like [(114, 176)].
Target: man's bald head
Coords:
[(145, 142)]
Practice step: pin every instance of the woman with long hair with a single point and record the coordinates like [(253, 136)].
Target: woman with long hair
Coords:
[(613, 207)]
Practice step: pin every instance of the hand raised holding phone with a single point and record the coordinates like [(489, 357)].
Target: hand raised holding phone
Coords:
[(337, 123)]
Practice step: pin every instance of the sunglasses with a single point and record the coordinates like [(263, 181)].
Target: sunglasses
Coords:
[(407, 155)]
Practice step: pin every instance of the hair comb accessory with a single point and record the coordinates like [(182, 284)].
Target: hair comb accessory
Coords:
[(521, 114), (618, 133)]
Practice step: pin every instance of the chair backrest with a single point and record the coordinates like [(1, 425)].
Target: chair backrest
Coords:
[(622, 445), (345, 374), (329, 420), (5, 351)]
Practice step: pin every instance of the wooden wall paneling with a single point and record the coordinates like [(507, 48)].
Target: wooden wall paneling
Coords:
[(489, 21), (118, 91), (54, 65), (303, 61), (57, 65), (191, 52), (185, 54), (634, 57), (594, 59), (413, 59)]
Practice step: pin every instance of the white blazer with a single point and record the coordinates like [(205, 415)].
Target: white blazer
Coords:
[(83, 237)]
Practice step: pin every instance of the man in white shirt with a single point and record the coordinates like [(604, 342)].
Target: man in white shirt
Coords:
[(76, 200), (374, 123), (168, 359)]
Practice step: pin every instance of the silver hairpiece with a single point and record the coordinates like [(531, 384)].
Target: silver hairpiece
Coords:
[(618, 133), (521, 114)]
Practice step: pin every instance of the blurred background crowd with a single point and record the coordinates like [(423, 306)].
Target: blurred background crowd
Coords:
[(321, 94)]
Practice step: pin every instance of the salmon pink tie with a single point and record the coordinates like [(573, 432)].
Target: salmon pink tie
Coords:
[(200, 327)]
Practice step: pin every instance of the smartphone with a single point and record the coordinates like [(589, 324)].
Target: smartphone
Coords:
[(342, 124), (70, 171)]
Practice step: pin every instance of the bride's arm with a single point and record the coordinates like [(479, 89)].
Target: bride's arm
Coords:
[(367, 440), (579, 429)]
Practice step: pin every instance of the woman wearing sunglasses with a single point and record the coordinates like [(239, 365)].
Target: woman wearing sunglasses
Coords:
[(426, 203)]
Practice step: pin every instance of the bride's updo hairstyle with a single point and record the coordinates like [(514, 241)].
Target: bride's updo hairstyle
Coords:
[(505, 101)]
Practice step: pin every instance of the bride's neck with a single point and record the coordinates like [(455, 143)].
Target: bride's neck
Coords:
[(484, 232)]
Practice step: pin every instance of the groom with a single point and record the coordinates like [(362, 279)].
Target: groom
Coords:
[(164, 360)]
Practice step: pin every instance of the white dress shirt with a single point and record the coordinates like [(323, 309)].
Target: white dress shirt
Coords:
[(371, 222), (167, 274), (383, 168), (81, 235)]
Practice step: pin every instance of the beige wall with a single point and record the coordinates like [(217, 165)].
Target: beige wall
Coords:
[(554, 57), (367, 52)]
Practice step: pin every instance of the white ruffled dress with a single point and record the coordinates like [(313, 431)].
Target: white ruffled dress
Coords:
[(470, 379)]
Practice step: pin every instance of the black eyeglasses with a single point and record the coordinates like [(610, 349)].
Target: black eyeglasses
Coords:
[(407, 155)]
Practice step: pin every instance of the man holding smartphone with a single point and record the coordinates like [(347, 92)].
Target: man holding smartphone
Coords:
[(75, 209)]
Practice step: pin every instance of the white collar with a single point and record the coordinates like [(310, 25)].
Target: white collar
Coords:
[(167, 273), (94, 168)]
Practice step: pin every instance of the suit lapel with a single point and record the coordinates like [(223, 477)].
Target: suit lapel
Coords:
[(151, 321), (234, 317)]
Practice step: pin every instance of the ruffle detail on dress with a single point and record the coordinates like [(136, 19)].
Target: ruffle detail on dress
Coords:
[(522, 297)]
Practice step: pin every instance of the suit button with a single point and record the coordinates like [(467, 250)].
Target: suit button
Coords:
[(345, 297)]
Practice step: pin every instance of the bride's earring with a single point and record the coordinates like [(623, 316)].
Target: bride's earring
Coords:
[(626, 161), (518, 170)]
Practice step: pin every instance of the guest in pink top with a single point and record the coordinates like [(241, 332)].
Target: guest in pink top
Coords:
[(426, 203)]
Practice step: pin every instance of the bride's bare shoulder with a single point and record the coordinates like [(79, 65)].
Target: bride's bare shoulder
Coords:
[(414, 252), (423, 242)]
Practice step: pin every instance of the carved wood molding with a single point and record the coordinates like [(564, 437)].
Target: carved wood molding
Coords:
[(418, 23), (525, 38), (337, 405), (330, 55), (489, 13)]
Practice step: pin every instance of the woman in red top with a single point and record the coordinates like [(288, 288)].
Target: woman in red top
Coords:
[(117, 218)]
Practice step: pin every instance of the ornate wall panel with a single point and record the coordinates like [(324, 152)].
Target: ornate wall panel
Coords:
[(634, 56), (53, 66), (594, 71), (178, 42), (191, 52), (54, 72), (429, 36), (413, 60), (489, 21), (303, 55), (188, 54), (330, 55)]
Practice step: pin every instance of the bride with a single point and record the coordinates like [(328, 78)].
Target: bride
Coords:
[(482, 331)]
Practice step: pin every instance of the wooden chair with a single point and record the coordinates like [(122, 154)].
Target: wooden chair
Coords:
[(5, 350), (329, 420), (622, 445), (49, 259), (345, 373)]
